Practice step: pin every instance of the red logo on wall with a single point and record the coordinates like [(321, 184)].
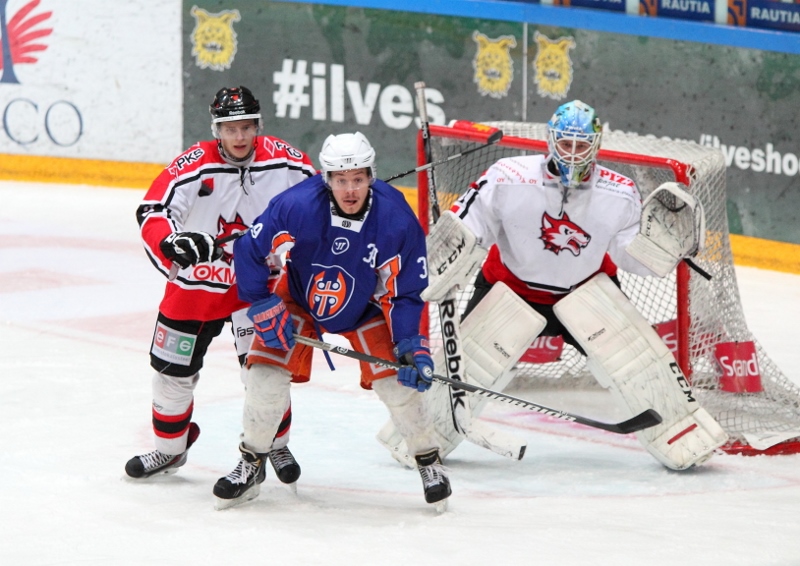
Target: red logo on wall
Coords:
[(738, 362), (21, 37), (545, 349)]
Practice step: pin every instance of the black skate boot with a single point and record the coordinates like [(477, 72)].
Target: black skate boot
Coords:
[(244, 482), (156, 462), (434, 478), (286, 467)]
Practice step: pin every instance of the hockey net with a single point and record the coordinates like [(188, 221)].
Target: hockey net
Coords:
[(696, 317)]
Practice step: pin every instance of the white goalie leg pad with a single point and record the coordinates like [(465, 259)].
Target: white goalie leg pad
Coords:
[(673, 226), (494, 336), (453, 257), (266, 401), (626, 355)]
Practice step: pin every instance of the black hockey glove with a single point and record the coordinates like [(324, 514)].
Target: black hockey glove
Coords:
[(190, 248)]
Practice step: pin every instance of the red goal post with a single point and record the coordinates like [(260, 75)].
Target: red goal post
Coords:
[(702, 321)]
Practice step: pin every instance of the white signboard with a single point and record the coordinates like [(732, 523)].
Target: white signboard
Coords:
[(93, 79)]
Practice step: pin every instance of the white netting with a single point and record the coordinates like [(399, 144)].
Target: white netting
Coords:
[(714, 308)]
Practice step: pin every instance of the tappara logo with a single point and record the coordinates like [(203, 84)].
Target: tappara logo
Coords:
[(559, 234), (329, 291), (21, 37)]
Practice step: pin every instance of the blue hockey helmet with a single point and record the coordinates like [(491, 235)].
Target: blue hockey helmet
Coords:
[(573, 138)]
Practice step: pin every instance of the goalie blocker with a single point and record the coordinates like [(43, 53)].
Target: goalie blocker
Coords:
[(628, 357)]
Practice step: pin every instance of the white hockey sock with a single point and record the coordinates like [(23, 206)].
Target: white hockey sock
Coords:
[(409, 413), (265, 403)]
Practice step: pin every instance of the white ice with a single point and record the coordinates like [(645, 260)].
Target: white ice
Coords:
[(78, 300)]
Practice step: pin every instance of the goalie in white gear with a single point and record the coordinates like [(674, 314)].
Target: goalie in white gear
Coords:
[(584, 218)]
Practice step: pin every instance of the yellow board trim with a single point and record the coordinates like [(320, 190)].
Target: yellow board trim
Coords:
[(747, 251), (765, 254), (38, 169)]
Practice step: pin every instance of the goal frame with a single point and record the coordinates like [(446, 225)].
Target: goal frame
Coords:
[(783, 394)]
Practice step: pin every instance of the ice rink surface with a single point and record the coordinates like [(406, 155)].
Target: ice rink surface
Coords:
[(78, 300)]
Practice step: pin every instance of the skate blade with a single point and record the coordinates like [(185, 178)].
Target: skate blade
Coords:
[(441, 506), (292, 487), (222, 504)]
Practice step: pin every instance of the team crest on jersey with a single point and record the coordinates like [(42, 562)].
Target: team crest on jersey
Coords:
[(494, 68), (214, 42), (329, 290), (225, 228), (552, 66), (559, 234)]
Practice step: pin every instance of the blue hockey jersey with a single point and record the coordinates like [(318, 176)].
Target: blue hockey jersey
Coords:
[(343, 272)]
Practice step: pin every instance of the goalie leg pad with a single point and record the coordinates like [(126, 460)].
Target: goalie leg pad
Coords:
[(626, 355), (494, 336), (453, 257)]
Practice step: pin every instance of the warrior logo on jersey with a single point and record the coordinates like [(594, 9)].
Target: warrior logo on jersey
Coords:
[(552, 66), (494, 68), (329, 290), (213, 39), (559, 234), (225, 228)]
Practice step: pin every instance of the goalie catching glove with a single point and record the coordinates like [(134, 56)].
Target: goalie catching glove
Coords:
[(673, 227), (190, 248), (272, 323), (418, 373)]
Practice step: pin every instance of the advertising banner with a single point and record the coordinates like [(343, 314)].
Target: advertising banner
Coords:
[(91, 79), (322, 69)]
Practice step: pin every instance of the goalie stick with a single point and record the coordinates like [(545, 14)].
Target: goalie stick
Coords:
[(494, 138), (460, 411), (643, 420)]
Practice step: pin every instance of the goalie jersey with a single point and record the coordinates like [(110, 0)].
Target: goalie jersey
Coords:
[(545, 240), (342, 271)]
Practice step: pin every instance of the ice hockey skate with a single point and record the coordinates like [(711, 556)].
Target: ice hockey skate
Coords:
[(243, 484), (286, 467), (156, 462), (434, 479)]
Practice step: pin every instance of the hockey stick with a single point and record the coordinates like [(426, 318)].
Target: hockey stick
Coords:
[(422, 106), (461, 414), (702, 272), (494, 138), (174, 268), (641, 421)]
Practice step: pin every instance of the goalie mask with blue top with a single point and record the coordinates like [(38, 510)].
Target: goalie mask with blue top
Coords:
[(573, 139)]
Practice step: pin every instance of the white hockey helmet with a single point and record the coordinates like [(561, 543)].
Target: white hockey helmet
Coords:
[(344, 152)]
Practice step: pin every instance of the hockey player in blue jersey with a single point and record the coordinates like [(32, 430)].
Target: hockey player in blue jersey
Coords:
[(355, 266)]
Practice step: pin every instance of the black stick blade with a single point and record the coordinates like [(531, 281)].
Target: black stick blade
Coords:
[(640, 422)]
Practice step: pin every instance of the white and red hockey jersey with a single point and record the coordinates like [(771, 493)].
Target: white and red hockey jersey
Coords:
[(201, 192), (544, 242)]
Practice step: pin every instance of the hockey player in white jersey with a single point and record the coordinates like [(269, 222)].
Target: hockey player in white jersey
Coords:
[(557, 228), (212, 190)]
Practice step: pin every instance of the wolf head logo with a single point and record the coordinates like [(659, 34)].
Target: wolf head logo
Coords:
[(214, 42), (225, 228), (560, 234), (494, 68), (553, 66)]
